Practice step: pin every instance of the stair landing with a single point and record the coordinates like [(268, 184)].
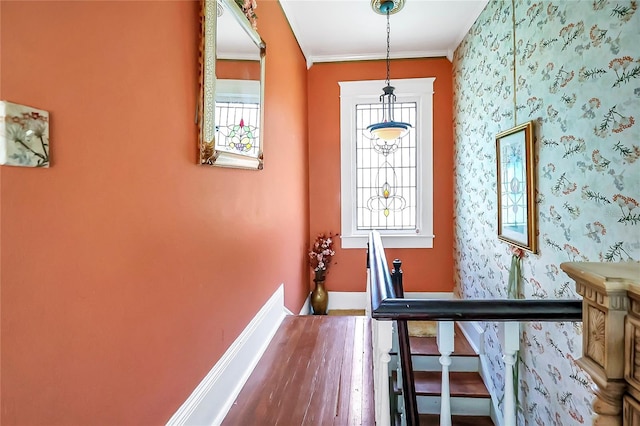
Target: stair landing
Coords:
[(317, 370)]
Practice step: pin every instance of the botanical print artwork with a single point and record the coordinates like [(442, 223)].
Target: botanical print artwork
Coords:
[(515, 187), (24, 136), (573, 67), (513, 184)]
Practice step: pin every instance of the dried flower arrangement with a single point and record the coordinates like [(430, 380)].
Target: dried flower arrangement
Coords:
[(248, 7), (321, 252)]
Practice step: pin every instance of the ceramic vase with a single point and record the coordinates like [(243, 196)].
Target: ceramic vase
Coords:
[(319, 295)]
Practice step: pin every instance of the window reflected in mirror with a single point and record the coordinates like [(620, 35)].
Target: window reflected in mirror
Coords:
[(232, 90), (238, 107)]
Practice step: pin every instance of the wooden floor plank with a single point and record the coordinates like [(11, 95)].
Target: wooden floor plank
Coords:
[(305, 361), (281, 368), (346, 372), (326, 364), (302, 364), (368, 403), (316, 371), (268, 368), (357, 376)]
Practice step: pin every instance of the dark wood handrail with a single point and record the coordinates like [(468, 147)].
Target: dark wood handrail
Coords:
[(386, 304), (480, 310)]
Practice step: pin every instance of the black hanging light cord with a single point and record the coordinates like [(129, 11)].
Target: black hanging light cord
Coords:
[(388, 129), (388, 49)]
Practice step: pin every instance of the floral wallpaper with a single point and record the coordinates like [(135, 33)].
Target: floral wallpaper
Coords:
[(573, 67)]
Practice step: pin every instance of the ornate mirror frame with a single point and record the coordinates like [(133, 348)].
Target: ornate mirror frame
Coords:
[(210, 153)]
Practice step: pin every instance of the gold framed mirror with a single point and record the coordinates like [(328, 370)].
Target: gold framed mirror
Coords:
[(232, 76)]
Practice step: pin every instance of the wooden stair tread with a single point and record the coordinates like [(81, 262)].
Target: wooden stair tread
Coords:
[(434, 420), (429, 345), (461, 384)]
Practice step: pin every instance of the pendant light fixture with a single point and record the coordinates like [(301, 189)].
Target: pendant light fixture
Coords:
[(388, 129)]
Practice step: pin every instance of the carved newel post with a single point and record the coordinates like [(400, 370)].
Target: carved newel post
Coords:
[(606, 289)]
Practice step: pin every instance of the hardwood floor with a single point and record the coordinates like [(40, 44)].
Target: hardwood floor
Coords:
[(317, 370)]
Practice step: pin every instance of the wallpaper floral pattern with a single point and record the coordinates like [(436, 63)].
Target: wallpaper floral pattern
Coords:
[(573, 67)]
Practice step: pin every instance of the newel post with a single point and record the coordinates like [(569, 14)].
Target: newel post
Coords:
[(396, 278), (605, 305)]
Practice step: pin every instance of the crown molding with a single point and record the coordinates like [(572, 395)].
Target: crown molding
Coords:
[(375, 56)]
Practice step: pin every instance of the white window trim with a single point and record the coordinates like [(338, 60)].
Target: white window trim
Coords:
[(353, 93), (244, 91)]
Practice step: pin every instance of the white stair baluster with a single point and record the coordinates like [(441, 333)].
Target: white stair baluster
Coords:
[(445, 347), (511, 345), (382, 345)]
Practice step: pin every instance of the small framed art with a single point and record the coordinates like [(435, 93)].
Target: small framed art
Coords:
[(516, 187)]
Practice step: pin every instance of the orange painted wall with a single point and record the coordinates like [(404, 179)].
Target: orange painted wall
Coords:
[(127, 269), (240, 70), (424, 269)]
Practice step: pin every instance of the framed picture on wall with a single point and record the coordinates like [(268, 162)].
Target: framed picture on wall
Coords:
[(516, 187)]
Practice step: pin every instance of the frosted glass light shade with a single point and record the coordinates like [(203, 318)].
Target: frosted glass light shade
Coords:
[(390, 130)]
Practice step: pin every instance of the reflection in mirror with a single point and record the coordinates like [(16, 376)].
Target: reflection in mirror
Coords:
[(232, 92)]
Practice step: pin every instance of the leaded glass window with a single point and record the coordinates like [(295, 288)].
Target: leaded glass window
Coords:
[(237, 116), (386, 186), (386, 191), (514, 198), (237, 127)]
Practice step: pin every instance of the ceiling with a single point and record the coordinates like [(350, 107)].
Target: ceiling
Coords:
[(232, 39), (348, 30)]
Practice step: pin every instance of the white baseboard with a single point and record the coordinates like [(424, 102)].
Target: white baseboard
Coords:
[(474, 334), (347, 300), (306, 307), (358, 299), (209, 403), (496, 413), (339, 300)]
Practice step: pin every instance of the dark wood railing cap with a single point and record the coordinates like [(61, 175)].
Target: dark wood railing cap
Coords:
[(388, 304), (483, 310)]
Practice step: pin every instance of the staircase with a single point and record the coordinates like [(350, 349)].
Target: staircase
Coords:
[(391, 312), (470, 399)]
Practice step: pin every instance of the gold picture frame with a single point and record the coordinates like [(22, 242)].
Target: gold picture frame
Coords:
[(516, 178)]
